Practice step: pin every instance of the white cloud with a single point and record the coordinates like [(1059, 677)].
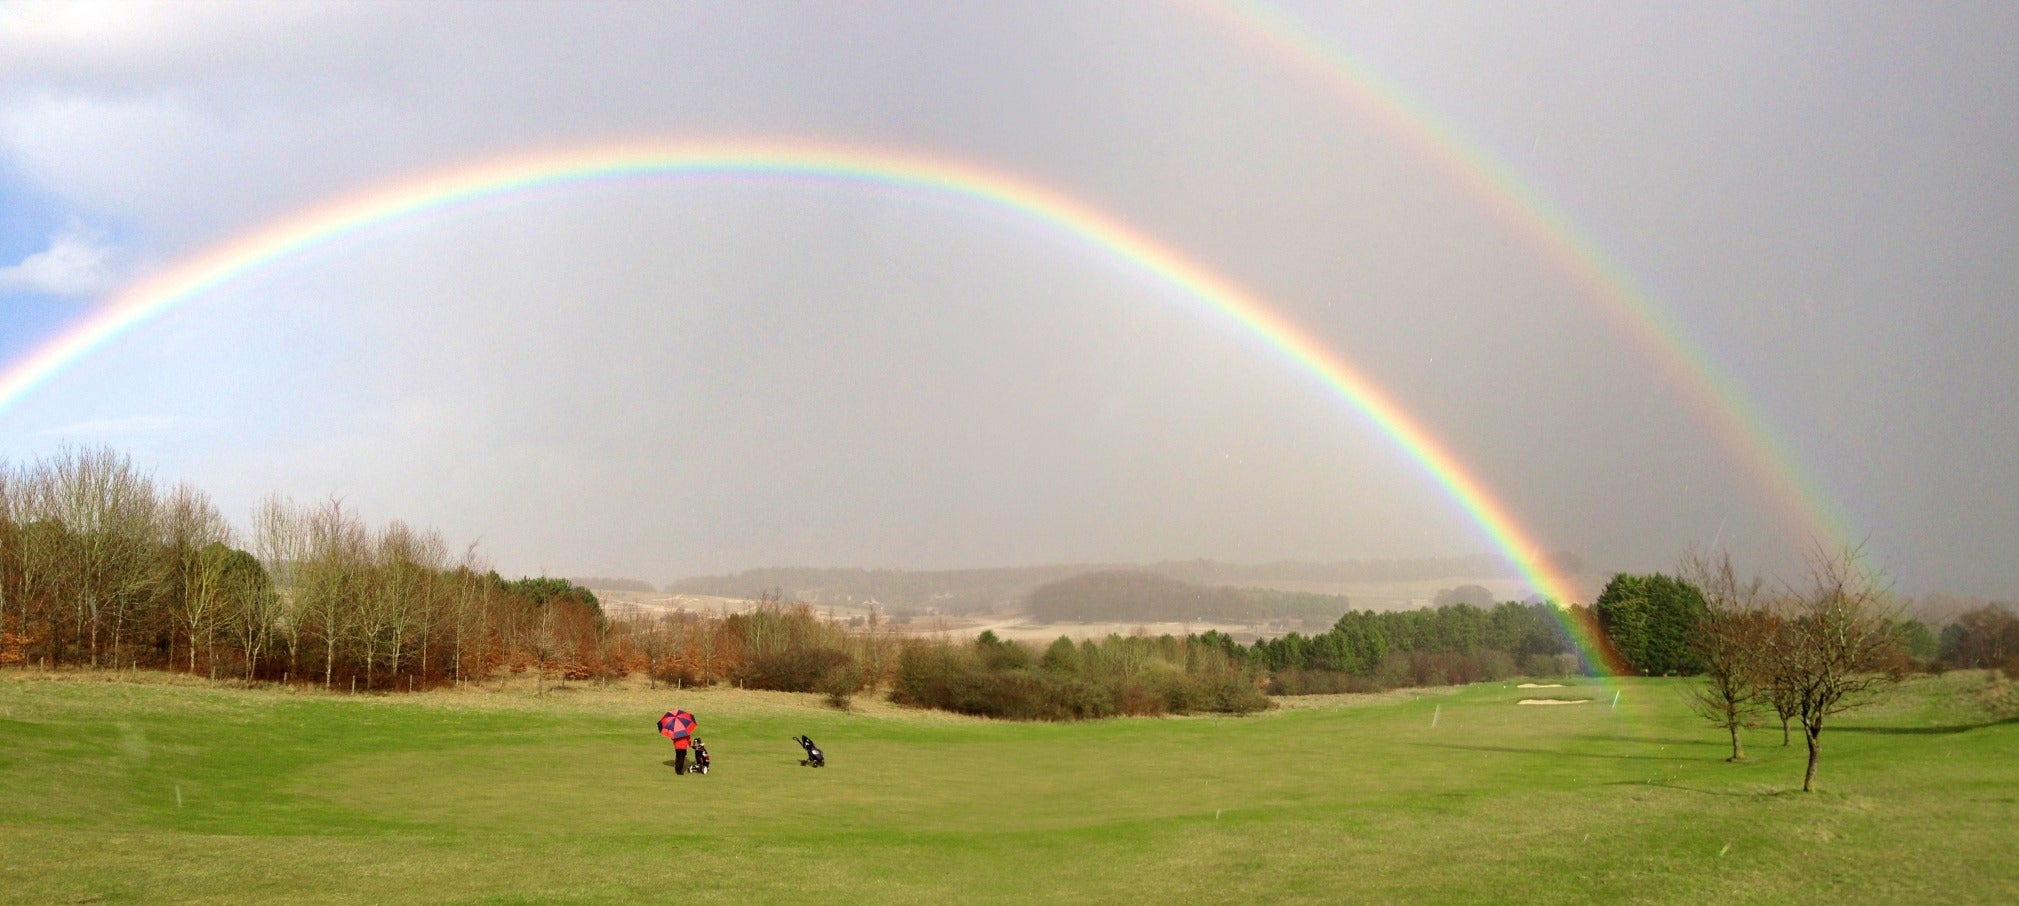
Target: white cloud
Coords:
[(76, 262), (81, 38)]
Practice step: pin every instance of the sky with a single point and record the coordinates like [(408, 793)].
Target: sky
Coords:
[(664, 377)]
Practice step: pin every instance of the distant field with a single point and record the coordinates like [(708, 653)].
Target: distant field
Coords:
[(166, 790), (1013, 624)]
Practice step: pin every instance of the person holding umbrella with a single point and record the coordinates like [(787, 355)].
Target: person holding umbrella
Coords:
[(678, 726)]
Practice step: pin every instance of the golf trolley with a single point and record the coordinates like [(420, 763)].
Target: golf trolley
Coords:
[(813, 759)]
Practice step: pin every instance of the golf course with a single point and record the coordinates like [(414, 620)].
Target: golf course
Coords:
[(157, 788)]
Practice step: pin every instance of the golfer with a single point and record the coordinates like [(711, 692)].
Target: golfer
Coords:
[(678, 726)]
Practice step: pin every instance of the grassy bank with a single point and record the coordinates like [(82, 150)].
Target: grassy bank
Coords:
[(167, 790)]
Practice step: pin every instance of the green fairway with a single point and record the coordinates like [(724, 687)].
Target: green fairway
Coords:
[(171, 791)]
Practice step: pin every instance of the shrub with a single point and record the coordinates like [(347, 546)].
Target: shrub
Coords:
[(1230, 693), (1495, 665), (796, 669), (994, 678), (840, 684), (1549, 665), (1063, 657), (1293, 681)]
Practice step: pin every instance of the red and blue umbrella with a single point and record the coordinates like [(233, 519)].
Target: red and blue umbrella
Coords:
[(677, 725)]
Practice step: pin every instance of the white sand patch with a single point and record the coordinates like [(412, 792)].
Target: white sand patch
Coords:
[(1540, 686), (1553, 701)]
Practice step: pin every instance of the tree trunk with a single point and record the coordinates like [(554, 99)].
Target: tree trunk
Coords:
[(1784, 730), (1738, 751), (1815, 737), (91, 605)]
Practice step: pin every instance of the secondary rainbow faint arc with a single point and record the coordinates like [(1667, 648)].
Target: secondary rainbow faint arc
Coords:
[(1744, 429), (309, 229)]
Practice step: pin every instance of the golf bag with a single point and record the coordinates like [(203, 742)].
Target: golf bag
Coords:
[(700, 756), (813, 757)]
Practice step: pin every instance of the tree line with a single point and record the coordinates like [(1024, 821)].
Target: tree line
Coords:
[(1451, 644), (101, 565)]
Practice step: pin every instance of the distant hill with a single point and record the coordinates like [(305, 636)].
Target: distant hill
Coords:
[(1139, 596), (610, 584), (948, 591), (1412, 569), (997, 589)]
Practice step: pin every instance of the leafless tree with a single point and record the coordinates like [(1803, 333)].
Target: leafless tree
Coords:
[(1732, 640), (10, 550), (471, 616), (332, 577), (381, 608), (252, 617), (430, 558), (190, 526), (41, 544), (1838, 643), (649, 634), (280, 541), (541, 640), (1781, 688), (110, 510)]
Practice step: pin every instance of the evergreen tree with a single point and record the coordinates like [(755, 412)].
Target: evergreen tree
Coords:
[(1650, 621)]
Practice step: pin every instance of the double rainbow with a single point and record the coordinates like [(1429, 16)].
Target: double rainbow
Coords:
[(149, 298), (1286, 40)]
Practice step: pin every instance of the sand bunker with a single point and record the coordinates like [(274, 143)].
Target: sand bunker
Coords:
[(1540, 686), (1553, 701)]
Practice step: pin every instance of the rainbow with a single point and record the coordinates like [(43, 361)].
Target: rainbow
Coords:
[(1711, 390), (319, 226)]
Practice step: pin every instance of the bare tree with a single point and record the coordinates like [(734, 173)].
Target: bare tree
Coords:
[(110, 510), (1838, 644), (10, 531), (190, 526), (280, 541), (1732, 641), (471, 616), (544, 644), (1780, 689), (382, 605), (252, 616), (332, 577), (649, 633), (430, 559), (41, 544)]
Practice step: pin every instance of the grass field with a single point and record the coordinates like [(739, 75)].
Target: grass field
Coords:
[(167, 790)]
